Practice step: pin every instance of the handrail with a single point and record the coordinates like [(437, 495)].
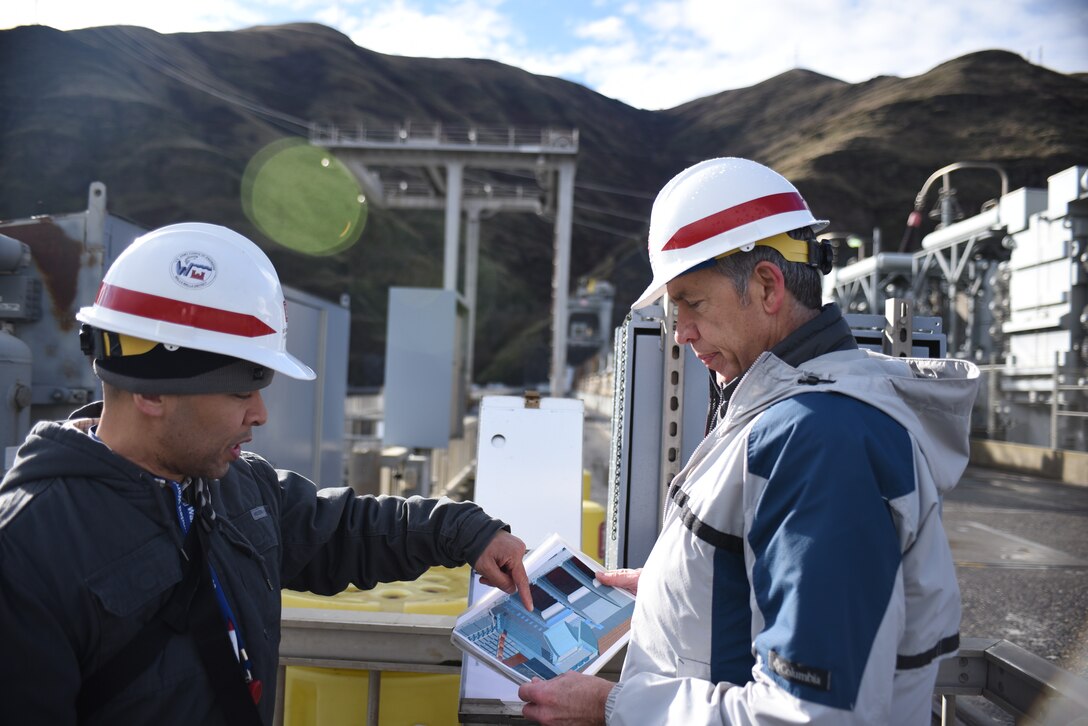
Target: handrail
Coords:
[(944, 172), (1017, 681), (1056, 403), (552, 139), (373, 641), (359, 639)]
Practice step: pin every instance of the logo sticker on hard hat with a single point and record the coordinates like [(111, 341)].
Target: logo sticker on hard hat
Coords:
[(193, 270)]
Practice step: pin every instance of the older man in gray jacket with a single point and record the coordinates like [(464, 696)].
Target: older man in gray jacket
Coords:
[(802, 574)]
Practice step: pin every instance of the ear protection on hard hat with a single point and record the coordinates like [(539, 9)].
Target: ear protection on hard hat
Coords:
[(97, 343), (795, 246), (821, 255)]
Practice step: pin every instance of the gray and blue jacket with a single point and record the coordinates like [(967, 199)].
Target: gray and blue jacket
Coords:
[(802, 574)]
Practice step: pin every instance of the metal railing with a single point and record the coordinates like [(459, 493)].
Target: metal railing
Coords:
[(1060, 391), (1020, 683), (371, 641), (409, 133), (1057, 400), (1029, 688)]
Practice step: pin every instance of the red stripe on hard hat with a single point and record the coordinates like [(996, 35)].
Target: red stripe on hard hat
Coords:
[(738, 216), (145, 305)]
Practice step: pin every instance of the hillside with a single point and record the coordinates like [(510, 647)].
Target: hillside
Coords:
[(169, 122), (862, 151)]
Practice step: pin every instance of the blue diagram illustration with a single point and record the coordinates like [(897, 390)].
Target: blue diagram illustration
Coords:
[(574, 619)]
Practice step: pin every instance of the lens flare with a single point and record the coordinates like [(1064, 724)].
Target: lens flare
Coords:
[(304, 198)]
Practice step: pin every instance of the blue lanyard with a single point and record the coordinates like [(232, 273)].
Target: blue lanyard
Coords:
[(186, 512)]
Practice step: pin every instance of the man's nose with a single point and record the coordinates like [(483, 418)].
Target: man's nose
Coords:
[(257, 414), (685, 331)]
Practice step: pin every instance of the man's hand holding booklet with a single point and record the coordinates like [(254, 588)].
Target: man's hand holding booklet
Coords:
[(577, 623)]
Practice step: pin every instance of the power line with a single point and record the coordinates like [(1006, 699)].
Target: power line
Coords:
[(615, 190), (608, 230), (138, 48), (602, 210), (595, 187), (141, 51)]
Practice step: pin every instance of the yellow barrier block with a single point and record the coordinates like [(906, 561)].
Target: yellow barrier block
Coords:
[(593, 530), (592, 521), (438, 591), (338, 696)]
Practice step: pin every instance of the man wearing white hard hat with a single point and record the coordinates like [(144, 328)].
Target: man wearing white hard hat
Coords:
[(142, 551), (802, 573)]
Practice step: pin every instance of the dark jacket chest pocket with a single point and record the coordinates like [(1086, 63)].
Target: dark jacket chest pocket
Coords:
[(140, 580), (132, 581), (259, 528)]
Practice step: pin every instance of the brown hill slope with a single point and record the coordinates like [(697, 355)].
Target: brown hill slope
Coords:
[(862, 151), (168, 122)]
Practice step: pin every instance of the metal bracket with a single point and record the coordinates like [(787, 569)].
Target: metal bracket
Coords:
[(898, 330), (671, 395)]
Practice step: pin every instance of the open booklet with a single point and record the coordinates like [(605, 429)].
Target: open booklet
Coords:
[(577, 623)]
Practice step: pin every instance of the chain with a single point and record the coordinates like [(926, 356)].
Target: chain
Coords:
[(619, 367)]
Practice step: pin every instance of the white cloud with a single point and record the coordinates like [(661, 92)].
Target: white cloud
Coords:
[(465, 29), (164, 17), (648, 53), (606, 30), (693, 48), (663, 16)]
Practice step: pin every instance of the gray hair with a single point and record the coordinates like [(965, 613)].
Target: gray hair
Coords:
[(802, 281)]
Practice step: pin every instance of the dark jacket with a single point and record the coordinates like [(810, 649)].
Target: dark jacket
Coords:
[(90, 549)]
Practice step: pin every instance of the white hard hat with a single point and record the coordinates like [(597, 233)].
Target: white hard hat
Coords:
[(715, 207), (198, 286)]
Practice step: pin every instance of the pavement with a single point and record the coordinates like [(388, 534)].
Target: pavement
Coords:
[(1021, 549)]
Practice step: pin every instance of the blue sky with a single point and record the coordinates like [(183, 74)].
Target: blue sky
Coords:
[(648, 53)]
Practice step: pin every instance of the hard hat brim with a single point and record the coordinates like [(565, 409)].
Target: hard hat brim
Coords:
[(183, 336), (657, 287), (650, 295)]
